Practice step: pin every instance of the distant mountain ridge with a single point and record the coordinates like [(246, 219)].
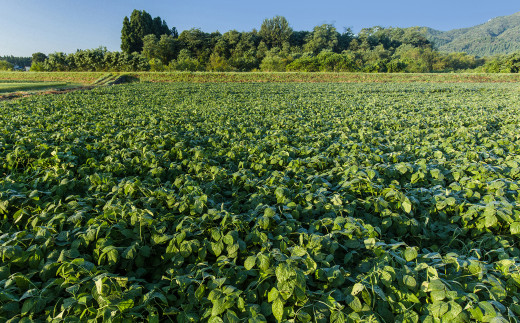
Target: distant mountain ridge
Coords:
[(500, 35)]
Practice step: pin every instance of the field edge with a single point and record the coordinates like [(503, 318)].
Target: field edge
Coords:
[(266, 77)]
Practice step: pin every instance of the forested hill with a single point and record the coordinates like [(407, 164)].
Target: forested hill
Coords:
[(499, 35)]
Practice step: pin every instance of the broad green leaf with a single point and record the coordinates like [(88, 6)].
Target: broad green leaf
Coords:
[(303, 316), (336, 200), (215, 234), (515, 228), (370, 243), (219, 306), (409, 317), (451, 201), (250, 262), (354, 303), (436, 285), (438, 295), (491, 220), (409, 282), (358, 287), (112, 256), (269, 212), (130, 252), (298, 251), (284, 272), (278, 309), (125, 305), (215, 319), (488, 309), (407, 205), (410, 254), (217, 248), (232, 317), (99, 285), (273, 295), (28, 305), (199, 293), (263, 262), (337, 317), (438, 309)]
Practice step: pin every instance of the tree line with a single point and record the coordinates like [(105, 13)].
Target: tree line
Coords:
[(148, 44), (8, 63)]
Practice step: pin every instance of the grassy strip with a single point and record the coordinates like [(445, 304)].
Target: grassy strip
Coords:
[(212, 77)]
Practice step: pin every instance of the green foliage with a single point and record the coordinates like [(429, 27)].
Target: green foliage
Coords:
[(6, 66), (305, 63), (218, 63), (196, 42), (326, 61), (324, 37), (37, 67), (156, 65), (38, 62), (38, 57), (502, 64), (163, 49), (98, 59), (185, 62), (150, 46), (275, 31), (262, 202), (167, 48), (273, 62), (276, 47)]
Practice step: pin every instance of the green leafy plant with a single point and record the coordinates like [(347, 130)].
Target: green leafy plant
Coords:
[(261, 203)]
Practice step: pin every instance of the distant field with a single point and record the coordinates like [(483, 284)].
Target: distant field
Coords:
[(75, 77), (206, 77), (211, 77), (6, 87)]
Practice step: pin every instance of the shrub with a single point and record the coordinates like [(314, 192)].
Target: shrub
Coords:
[(6, 66)]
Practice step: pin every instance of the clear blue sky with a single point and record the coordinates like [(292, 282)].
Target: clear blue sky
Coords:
[(28, 26)]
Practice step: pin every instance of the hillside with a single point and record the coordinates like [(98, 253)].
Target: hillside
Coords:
[(499, 35)]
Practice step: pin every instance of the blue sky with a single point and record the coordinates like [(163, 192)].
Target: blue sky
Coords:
[(28, 26)]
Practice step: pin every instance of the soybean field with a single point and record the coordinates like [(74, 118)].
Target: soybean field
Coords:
[(262, 202)]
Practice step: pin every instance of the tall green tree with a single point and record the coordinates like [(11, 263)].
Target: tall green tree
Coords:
[(159, 27), (167, 48), (163, 49), (324, 37), (128, 37), (150, 46), (298, 38), (196, 41), (5, 66), (275, 31), (38, 57), (139, 25)]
